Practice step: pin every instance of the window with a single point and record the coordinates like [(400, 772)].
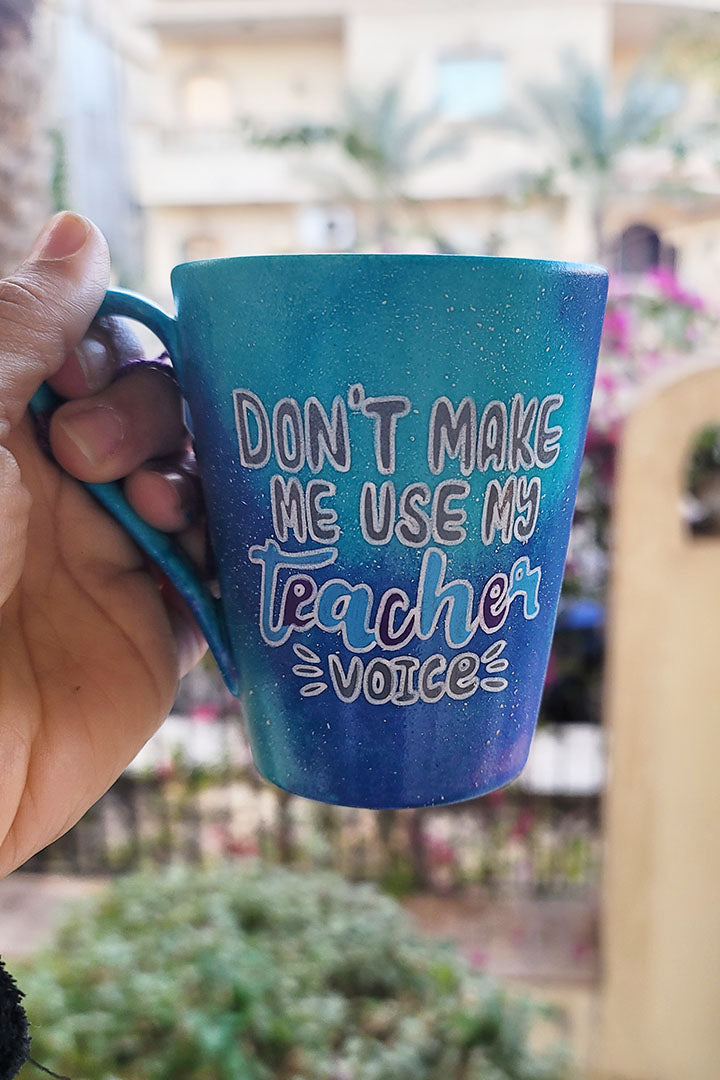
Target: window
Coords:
[(206, 101), (701, 502), (470, 86), (200, 246), (640, 249), (326, 228)]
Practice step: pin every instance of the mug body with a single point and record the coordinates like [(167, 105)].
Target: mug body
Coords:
[(389, 447)]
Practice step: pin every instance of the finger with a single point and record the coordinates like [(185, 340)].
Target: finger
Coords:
[(13, 524), (166, 492), (111, 434), (168, 496), (191, 645), (46, 307), (92, 364)]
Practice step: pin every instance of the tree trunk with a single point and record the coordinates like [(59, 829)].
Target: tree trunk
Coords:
[(284, 828), (417, 843), (24, 165), (602, 252)]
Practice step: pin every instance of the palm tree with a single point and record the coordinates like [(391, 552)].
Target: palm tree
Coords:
[(689, 50), (382, 147), (23, 178), (587, 134)]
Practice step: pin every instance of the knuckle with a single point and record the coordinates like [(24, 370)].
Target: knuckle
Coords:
[(21, 300), (117, 335), (154, 392)]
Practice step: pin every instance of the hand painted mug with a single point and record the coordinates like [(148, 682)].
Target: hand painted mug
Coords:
[(389, 448)]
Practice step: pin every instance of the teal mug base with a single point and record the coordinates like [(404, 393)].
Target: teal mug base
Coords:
[(399, 777), (448, 798)]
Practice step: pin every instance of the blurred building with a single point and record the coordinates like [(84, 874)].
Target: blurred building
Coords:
[(95, 57), (225, 67)]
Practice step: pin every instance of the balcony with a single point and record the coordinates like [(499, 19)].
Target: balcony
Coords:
[(256, 18), (220, 167), (217, 168)]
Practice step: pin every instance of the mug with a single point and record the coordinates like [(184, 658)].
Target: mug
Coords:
[(389, 448)]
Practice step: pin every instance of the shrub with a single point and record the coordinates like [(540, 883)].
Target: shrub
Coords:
[(251, 973)]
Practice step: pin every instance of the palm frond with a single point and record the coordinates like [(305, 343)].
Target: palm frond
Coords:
[(572, 116), (377, 134), (644, 114), (587, 133), (303, 135)]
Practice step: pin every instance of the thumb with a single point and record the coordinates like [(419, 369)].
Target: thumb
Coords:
[(46, 307)]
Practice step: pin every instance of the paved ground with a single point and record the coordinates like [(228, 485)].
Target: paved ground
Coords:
[(32, 905), (546, 947), (517, 937)]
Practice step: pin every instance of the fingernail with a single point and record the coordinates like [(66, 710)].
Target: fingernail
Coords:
[(185, 499), (62, 237), (98, 432), (96, 363)]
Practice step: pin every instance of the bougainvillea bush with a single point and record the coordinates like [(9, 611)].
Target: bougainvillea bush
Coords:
[(252, 973), (653, 327)]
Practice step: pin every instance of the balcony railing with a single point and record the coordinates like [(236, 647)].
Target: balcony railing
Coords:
[(248, 17)]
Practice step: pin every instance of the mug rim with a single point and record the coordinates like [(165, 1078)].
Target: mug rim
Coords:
[(557, 265)]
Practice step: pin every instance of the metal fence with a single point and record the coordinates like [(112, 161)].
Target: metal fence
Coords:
[(511, 841)]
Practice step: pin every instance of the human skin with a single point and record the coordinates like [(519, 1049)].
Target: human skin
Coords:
[(92, 642)]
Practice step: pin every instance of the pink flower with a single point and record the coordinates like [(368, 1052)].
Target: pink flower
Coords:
[(616, 329), (619, 287), (440, 852), (206, 713), (240, 847), (581, 950), (496, 799), (668, 285), (652, 361), (524, 824), (607, 381)]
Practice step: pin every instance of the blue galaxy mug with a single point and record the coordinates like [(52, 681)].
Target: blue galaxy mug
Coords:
[(389, 448)]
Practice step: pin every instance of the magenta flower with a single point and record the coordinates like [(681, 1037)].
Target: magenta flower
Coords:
[(478, 958), (607, 381), (616, 330), (668, 285), (206, 713), (524, 824), (440, 852)]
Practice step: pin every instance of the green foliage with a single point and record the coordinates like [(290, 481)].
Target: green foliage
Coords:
[(382, 147), (689, 48), (587, 131), (250, 973), (378, 134), (705, 458), (59, 177)]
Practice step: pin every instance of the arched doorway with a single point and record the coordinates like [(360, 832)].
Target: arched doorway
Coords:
[(640, 249)]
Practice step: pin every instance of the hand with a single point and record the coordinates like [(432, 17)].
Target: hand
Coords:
[(91, 645)]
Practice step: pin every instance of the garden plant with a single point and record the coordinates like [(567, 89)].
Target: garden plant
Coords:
[(248, 972)]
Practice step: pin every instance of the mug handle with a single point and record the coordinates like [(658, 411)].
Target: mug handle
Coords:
[(162, 549)]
